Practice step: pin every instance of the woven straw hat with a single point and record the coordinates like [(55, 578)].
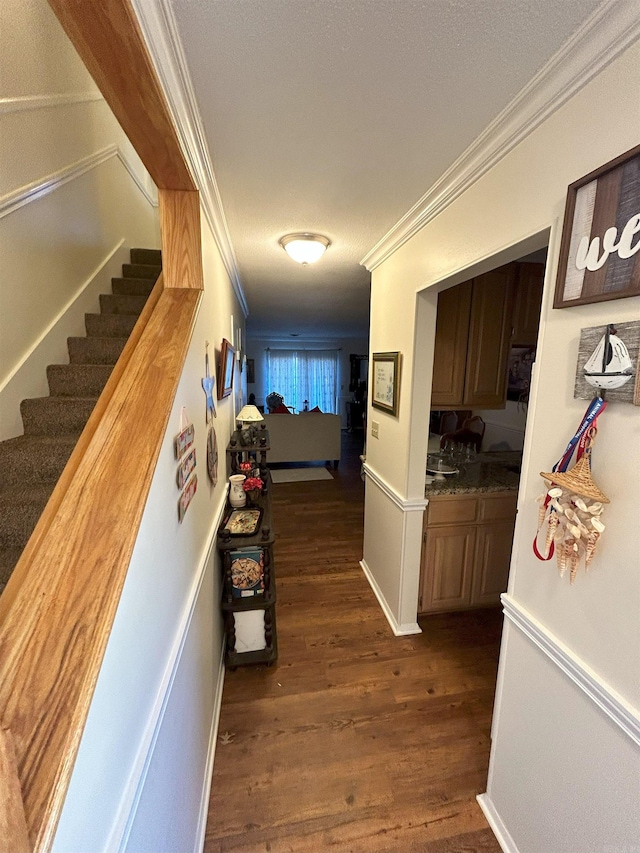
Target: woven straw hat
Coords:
[(578, 480)]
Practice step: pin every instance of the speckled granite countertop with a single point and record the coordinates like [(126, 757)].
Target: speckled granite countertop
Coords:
[(490, 472)]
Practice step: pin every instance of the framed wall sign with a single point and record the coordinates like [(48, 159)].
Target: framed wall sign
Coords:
[(385, 383), (225, 369), (600, 249)]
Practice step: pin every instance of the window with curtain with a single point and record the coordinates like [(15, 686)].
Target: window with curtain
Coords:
[(299, 375)]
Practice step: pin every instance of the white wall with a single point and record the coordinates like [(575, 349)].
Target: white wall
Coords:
[(141, 778), (74, 197), (346, 346), (508, 212), (504, 426)]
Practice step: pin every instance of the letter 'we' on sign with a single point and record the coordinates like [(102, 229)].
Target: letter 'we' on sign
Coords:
[(600, 251)]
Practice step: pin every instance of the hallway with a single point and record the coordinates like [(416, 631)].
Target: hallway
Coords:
[(356, 740)]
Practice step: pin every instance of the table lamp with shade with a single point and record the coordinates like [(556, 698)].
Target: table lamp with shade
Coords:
[(248, 417)]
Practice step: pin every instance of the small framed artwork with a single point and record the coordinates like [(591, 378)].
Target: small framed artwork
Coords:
[(225, 369), (386, 382), (600, 249), (247, 572), (251, 371)]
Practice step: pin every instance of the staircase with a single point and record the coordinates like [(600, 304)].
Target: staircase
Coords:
[(32, 463)]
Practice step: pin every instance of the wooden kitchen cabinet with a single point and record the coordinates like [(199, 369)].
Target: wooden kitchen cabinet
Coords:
[(473, 338), (466, 564), (450, 353), (528, 301), (449, 553)]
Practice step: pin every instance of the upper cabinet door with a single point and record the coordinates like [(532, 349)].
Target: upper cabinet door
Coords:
[(526, 311), (450, 354), (490, 339)]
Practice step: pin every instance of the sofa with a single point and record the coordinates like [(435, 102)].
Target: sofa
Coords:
[(306, 437)]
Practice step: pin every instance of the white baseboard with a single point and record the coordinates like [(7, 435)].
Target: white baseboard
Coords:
[(498, 828), (400, 630), (211, 754)]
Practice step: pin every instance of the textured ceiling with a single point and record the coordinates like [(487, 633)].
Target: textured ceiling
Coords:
[(336, 116)]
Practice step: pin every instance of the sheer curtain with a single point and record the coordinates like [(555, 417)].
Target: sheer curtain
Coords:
[(300, 375)]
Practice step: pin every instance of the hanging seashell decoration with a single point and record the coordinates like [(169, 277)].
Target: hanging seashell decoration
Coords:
[(573, 526), (571, 509)]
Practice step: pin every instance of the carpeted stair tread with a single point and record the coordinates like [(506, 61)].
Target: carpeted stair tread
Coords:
[(94, 350), (54, 415), (152, 257), (116, 303), (132, 286), (31, 464), (35, 458), (8, 559), (77, 380), (151, 271), (109, 325), (20, 508)]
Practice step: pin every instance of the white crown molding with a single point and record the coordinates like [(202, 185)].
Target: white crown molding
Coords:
[(609, 31), (613, 705), (13, 201), (160, 31), (411, 505), (39, 102)]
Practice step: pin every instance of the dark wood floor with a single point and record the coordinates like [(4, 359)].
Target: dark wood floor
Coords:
[(356, 740)]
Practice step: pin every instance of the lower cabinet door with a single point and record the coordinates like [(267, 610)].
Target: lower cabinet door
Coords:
[(493, 556), (447, 568)]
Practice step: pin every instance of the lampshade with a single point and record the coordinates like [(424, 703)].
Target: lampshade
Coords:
[(249, 414), (305, 248)]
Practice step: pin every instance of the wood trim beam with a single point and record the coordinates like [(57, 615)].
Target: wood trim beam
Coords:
[(54, 634), (181, 244), (14, 837), (108, 38)]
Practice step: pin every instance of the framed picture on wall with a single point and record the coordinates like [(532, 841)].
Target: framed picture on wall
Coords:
[(600, 249), (385, 385), (251, 371), (225, 369)]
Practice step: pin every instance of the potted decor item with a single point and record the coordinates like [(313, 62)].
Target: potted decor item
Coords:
[(253, 488), (237, 495)]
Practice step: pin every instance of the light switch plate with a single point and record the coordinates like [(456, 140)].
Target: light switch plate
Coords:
[(375, 426)]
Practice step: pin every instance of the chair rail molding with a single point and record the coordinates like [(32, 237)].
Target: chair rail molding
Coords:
[(161, 35), (607, 33), (405, 504), (611, 703), (123, 822), (16, 199), (39, 102)]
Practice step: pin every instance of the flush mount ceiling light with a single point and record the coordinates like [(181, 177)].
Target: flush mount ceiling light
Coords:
[(305, 248)]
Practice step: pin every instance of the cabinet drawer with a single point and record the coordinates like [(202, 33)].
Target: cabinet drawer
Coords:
[(498, 507), (454, 511)]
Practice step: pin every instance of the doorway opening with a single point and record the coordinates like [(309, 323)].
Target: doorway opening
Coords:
[(484, 336)]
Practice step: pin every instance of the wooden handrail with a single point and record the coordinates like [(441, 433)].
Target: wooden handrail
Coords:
[(108, 38), (14, 837), (58, 608), (77, 570)]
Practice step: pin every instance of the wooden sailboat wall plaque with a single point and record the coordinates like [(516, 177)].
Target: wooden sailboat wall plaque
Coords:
[(609, 357)]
